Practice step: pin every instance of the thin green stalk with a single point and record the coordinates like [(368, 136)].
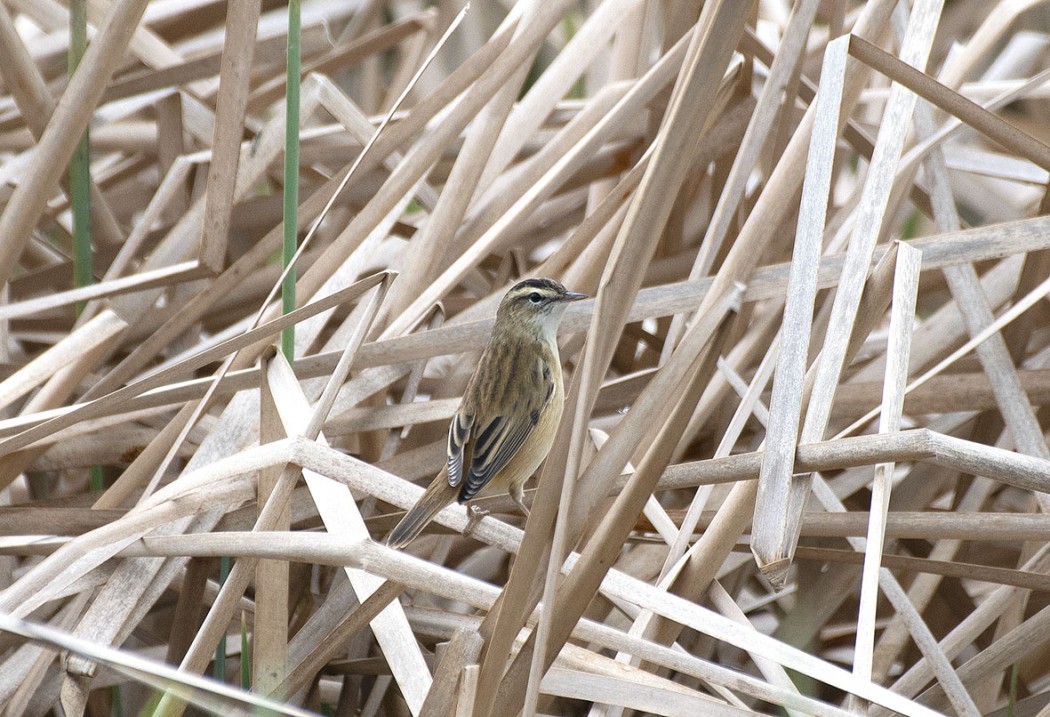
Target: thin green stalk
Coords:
[(98, 480), (80, 164), (291, 172), (246, 655), (117, 705), (80, 202), (219, 673)]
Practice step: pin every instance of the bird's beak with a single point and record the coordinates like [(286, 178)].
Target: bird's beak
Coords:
[(573, 296)]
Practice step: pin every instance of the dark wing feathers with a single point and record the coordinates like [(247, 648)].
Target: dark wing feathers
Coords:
[(490, 458), (458, 435), (483, 443)]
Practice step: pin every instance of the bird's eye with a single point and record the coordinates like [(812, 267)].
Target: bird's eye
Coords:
[(535, 298)]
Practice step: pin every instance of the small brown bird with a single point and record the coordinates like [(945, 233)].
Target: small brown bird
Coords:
[(510, 410)]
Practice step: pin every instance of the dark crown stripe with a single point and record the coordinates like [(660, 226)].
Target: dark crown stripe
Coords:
[(539, 284)]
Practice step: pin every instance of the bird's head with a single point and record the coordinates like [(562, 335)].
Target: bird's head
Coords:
[(535, 305)]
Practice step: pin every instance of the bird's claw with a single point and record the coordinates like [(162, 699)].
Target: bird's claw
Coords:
[(474, 516), (522, 507)]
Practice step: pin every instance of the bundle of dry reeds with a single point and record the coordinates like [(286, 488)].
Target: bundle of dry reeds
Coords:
[(801, 468)]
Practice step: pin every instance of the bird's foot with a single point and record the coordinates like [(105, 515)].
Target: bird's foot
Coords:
[(522, 507), (474, 516)]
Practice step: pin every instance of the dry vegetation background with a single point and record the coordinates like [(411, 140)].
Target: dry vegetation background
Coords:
[(814, 235)]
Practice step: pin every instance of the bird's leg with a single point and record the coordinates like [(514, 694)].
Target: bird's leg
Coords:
[(517, 494), (474, 516)]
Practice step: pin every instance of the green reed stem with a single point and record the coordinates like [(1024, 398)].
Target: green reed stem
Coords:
[(291, 171), (80, 164)]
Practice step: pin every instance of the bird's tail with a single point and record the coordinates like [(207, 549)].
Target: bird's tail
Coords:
[(437, 495)]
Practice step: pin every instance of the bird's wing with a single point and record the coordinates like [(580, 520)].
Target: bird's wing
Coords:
[(458, 435), (498, 437)]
